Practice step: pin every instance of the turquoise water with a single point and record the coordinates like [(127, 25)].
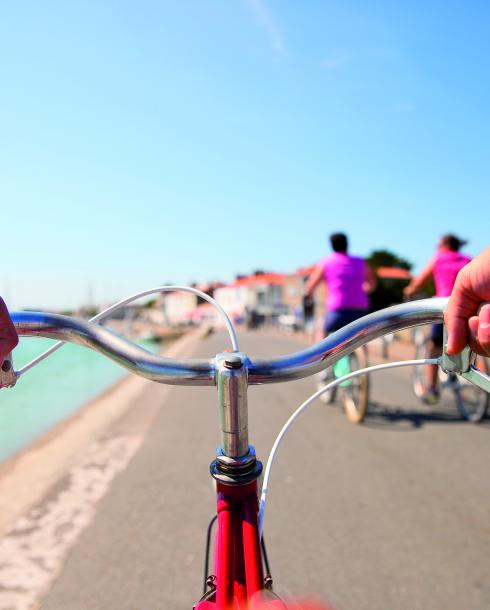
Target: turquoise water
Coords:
[(51, 391)]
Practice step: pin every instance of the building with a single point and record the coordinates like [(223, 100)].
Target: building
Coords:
[(183, 307), (253, 299), (177, 305)]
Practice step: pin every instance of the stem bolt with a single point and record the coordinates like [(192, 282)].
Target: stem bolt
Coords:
[(233, 362)]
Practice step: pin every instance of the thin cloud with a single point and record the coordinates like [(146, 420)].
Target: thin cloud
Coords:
[(266, 21)]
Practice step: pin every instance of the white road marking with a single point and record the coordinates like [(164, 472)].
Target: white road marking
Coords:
[(33, 551)]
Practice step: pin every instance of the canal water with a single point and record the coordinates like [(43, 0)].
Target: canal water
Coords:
[(52, 390)]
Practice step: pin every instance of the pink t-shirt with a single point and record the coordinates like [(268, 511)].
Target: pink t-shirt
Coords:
[(446, 267), (344, 275)]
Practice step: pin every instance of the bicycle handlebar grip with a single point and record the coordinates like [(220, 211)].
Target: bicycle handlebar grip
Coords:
[(7, 373)]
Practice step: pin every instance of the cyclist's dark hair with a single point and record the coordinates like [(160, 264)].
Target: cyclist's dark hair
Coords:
[(452, 242), (339, 242)]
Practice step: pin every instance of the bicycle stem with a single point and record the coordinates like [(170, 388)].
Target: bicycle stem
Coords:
[(232, 385)]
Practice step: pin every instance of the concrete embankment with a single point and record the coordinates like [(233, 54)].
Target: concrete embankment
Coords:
[(26, 477)]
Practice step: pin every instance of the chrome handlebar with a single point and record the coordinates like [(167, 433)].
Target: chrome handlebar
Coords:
[(125, 353), (347, 339), (232, 373), (203, 372)]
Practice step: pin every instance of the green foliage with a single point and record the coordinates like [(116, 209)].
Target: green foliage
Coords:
[(385, 258), (388, 291), (67, 312), (88, 311), (428, 289)]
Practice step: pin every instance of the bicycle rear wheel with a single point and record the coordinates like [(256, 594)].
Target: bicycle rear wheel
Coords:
[(472, 402), (355, 392)]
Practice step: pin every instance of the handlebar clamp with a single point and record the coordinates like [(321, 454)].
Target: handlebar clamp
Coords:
[(463, 364)]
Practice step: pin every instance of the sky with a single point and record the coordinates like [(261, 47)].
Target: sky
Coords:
[(153, 142)]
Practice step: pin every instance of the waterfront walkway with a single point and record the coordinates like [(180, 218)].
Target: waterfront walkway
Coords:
[(393, 514)]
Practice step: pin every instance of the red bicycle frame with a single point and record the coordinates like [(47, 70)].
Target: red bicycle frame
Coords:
[(238, 555)]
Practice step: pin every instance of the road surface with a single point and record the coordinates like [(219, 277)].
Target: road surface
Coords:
[(393, 514)]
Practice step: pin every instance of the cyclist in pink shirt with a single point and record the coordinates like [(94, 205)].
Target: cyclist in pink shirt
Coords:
[(348, 281), (444, 268)]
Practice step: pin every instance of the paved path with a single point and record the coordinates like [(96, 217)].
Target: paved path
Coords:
[(394, 514)]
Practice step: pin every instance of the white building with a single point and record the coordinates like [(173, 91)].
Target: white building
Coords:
[(177, 305), (256, 295), (183, 307)]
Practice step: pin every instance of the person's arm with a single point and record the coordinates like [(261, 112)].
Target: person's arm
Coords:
[(315, 278), (417, 282), (370, 281), (8, 334), (467, 325)]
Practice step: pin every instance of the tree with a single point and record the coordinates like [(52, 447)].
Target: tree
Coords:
[(388, 291), (385, 258)]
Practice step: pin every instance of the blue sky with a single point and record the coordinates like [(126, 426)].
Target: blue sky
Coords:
[(179, 141)]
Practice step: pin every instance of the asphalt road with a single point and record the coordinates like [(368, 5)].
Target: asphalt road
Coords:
[(393, 514)]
